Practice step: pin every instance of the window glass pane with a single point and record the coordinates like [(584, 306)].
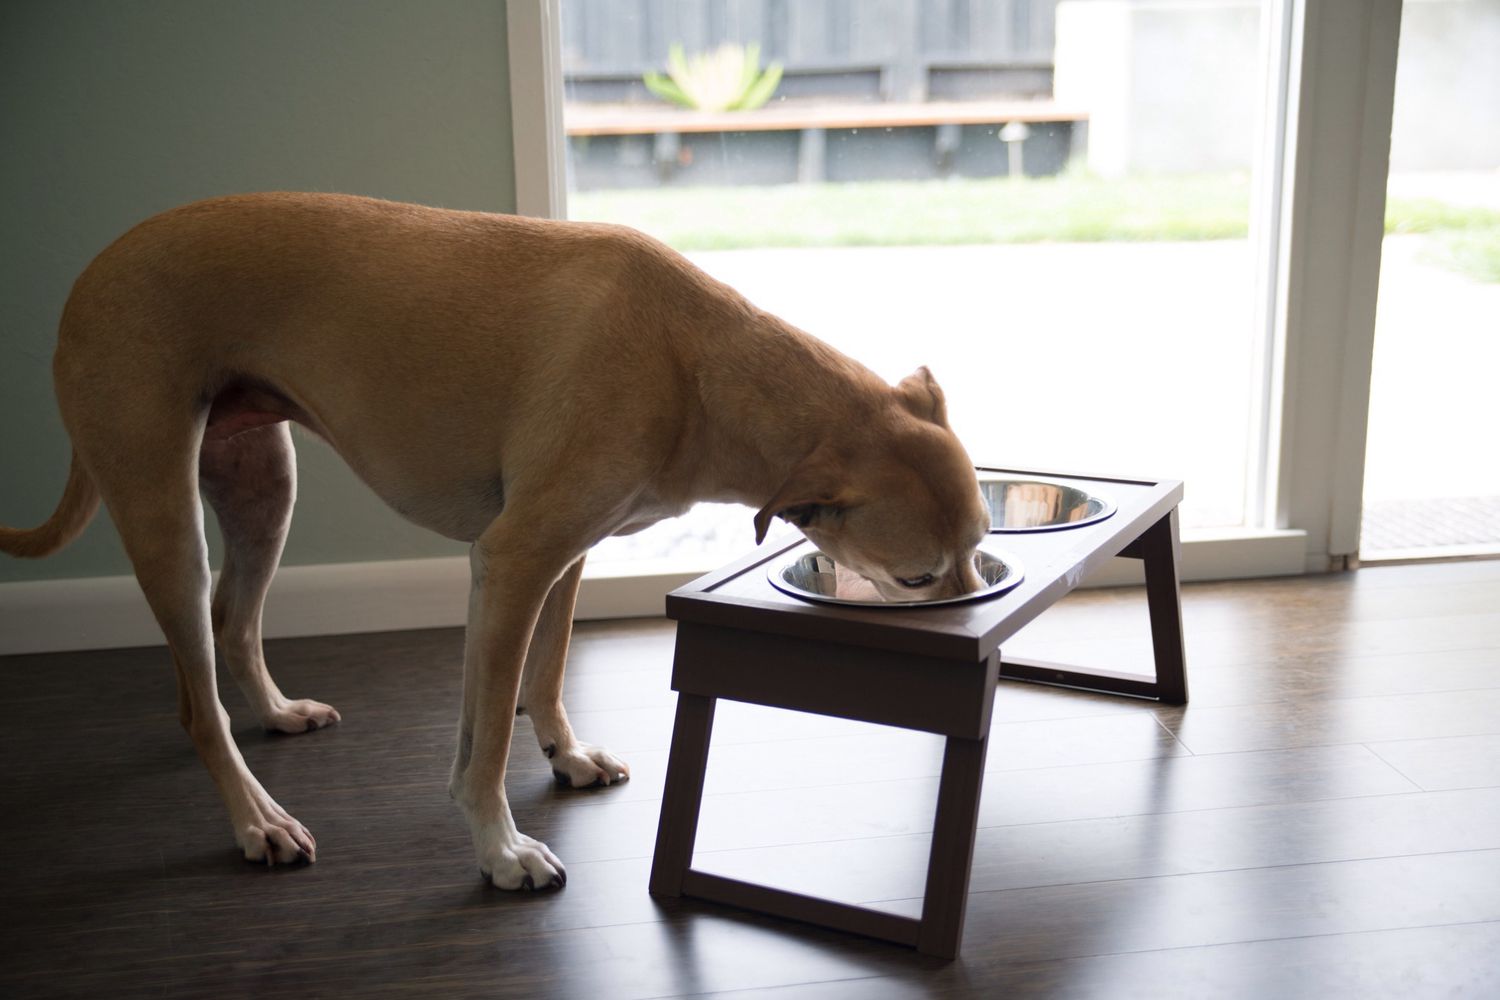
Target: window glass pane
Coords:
[(1432, 479), (1042, 201)]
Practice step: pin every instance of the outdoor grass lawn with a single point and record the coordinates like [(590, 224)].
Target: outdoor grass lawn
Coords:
[(1064, 209)]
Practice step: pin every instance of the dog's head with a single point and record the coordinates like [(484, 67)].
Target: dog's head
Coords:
[(895, 499)]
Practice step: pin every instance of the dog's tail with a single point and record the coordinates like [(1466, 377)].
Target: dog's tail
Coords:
[(79, 504)]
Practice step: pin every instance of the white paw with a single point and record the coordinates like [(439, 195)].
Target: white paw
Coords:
[(300, 716), (518, 862), (583, 766), (269, 835)]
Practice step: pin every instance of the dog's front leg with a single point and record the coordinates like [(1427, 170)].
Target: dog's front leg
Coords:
[(575, 764), (505, 598)]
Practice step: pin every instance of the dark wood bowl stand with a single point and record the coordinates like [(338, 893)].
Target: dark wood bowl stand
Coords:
[(931, 669)]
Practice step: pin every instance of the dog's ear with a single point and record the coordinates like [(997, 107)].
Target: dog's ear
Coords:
[(814, 489), (922, 397)]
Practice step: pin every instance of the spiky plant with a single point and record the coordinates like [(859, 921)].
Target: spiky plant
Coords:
[(727, 79)]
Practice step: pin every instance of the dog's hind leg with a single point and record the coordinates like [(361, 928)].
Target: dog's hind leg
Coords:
[(250, 479), (575, 764), (147, 472)]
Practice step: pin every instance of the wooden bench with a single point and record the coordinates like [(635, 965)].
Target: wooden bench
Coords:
[(812, 122)]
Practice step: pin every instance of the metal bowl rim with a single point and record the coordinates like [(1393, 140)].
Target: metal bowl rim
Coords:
[(775, 571), (1107, 505)]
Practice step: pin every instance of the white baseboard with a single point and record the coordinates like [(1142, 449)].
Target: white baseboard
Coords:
[(47, 616)]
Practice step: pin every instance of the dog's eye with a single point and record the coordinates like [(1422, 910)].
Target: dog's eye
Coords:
[(916, 581)]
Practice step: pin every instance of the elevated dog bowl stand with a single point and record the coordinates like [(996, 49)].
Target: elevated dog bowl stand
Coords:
[(931, 669)]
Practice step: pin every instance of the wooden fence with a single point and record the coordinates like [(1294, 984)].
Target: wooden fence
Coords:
[(846, 50)]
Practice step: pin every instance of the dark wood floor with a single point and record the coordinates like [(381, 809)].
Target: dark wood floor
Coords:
[(1322, 821)]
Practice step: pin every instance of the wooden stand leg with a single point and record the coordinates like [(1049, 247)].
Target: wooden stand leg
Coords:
[(952, 852), (677, 829), (1160, 553)]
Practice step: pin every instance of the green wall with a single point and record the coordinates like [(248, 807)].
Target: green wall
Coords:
[(112, 111)]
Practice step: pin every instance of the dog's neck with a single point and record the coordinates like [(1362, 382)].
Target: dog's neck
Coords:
[(770, 395)]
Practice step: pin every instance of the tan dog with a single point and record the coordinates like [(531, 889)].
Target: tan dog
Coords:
[(530, 387)]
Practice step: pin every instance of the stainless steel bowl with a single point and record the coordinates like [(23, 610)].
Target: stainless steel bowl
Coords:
[(814, 576), (1018, 504)]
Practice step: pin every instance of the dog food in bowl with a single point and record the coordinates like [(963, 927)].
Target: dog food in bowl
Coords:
[(1037, 505), (814, 576)]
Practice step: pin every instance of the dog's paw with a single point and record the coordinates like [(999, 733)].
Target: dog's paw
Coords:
[(585, 766), (521, 862), (300, 716), (271, 836)]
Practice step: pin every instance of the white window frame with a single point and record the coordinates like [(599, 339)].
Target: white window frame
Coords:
[(1328, 117), (534, 46), (1345, 53)]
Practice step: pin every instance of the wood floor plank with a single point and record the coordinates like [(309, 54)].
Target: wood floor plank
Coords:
[(1445, 762), (1069, 791), (1348, 677), (857, 868), (1455, 960), (1280, 725), (1265, 646), (1298, 678), (1239, 906)]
